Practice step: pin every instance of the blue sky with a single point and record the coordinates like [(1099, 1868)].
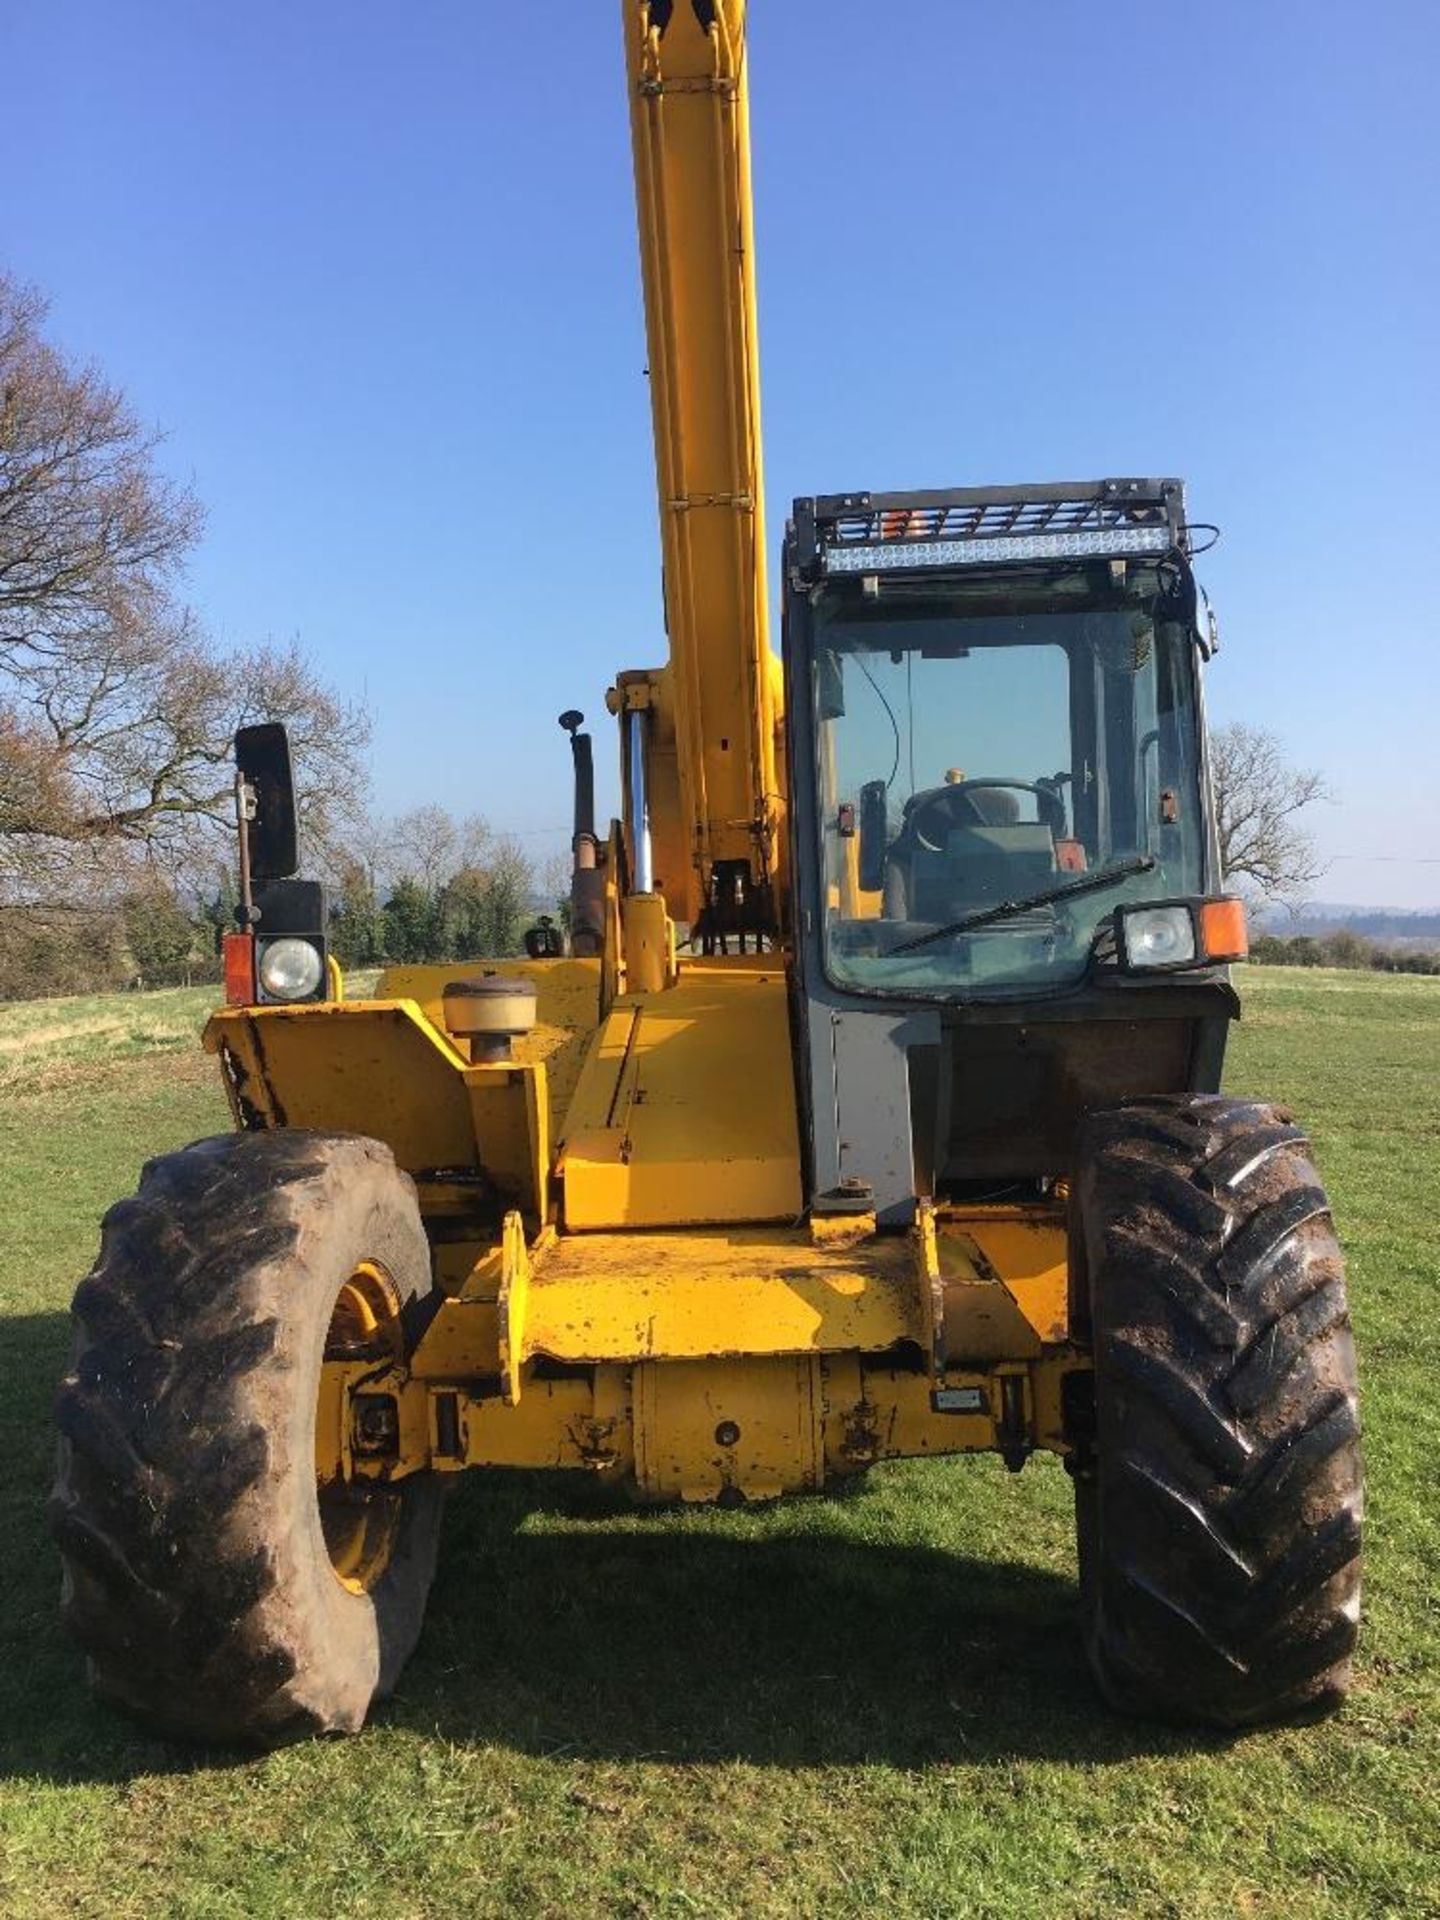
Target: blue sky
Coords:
[(373, 270)]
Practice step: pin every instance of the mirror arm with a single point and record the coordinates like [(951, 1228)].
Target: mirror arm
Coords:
[(245, 810)]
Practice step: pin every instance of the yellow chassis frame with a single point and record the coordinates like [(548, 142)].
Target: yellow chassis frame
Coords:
[(843, 1355), (739, 1352)]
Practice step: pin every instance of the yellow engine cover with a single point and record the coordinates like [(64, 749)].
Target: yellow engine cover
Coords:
[(685, 1113)]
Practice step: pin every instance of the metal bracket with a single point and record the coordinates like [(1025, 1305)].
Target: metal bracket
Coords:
[(513, 1298), (707, 83), (685, 502)]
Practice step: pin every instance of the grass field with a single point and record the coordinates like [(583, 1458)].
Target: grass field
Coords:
[(871, 1705)]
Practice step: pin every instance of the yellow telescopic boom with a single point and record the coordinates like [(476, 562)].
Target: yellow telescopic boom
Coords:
[(716, 707)]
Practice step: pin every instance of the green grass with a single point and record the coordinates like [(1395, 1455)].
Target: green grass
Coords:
[(868, 1705), (43, 1042)]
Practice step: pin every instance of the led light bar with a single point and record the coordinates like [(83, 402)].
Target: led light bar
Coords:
[(1107, 542)]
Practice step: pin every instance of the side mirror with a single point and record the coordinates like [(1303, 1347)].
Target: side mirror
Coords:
[(874, 835), (1207, 627), (262, 766)]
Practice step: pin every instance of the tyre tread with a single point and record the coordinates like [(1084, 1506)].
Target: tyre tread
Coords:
[(178, 1340), (1227, 1528)]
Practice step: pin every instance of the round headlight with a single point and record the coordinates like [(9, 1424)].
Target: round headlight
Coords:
[(1159, 936), (290, 969)]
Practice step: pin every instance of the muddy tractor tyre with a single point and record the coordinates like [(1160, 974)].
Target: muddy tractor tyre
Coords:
[(221, 1594), (1218, 1504)]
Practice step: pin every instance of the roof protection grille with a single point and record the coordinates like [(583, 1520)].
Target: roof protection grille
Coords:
[(861, 532)]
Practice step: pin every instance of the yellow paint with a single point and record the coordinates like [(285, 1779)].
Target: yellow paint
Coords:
[(511, 1119), (462, 1342), (887, 1415), (715, 722), (512, 1303), (360, 1522), (332, 1419), (370, 1067), (567, 1006), (710, 1428), (360, 1539), (383, 1069), (638, 1296), (927, 1278), (1019, 1252), (704, 1429), (685, 1108), (838, 1230), (687, 1328), (649, 943), (605, 1085), (578, 1424), (675, 1338), (612, 952)]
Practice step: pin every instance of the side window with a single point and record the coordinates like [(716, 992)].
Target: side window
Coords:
[(1150, 754), (1182, 827), (1147, 796)]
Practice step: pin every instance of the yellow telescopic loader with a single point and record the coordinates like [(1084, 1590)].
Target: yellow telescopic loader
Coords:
[(866, 1108)]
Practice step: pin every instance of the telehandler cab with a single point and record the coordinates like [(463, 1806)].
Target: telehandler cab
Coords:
[(869, 1109)]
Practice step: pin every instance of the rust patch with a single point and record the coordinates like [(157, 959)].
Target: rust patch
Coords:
[(862, 1433), (594, 1441)]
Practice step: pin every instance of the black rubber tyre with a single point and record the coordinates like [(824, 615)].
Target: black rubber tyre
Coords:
[(1218, 1513), (197, 1573)]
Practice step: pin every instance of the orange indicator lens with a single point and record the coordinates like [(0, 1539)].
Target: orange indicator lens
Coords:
[(1223, 933)]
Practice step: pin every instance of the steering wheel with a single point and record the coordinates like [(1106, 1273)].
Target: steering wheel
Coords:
[(935, 813)]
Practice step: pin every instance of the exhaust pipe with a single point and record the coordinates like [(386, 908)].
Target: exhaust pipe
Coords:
[(587, 883)]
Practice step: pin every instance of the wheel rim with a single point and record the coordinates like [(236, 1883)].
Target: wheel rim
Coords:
[(361, 1522)]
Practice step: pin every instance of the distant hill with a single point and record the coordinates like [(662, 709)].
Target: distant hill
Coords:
[(1390, 926)]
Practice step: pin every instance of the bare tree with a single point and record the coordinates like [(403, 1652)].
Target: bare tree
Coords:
[(1258, 795), (424, 845), (554, 885), (452, 888), (88, 529), (509, 890), (116, 712), (431, 845)]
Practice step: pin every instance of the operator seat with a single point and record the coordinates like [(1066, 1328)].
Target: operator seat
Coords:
[(963, 845)]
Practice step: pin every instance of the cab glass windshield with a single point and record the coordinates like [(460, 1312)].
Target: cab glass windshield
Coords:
[(1018, 751)]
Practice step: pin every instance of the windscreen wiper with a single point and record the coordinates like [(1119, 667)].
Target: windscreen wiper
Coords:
[(1087, 883)]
